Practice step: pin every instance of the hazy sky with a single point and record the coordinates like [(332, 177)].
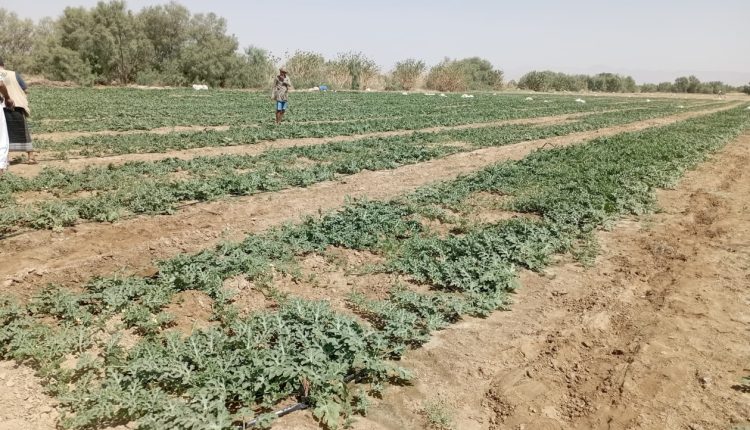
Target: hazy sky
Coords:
[(653, 40)]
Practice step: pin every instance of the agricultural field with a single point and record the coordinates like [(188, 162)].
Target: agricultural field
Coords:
[(178, 261)]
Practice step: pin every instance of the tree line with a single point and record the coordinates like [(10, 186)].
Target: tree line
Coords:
[(555, 81), (169, 45), (613, 83), (109, 43)]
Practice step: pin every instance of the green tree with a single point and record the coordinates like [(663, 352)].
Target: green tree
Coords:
[(681, 85), (629, 85), (167, 28), (119, 41), (162, 44), (694, 85), (261, 66), (17, 40), (553, 81), (50, 59), (480, 74), (536, 81), (665, 87), (108, 38), (210, 55), (254, 69), (74, 32), (62, 64)]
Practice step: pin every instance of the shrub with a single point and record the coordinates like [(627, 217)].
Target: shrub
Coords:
[(446, 76), (461, 75), (307, 69), (406, 74), (352, 70), (552, 81), (63, 64)]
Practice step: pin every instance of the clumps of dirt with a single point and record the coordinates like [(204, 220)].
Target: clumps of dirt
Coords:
[(65, 135), (23, 404), (127, 338), (331, 276), (706, 214), (499, 406), (459, 144), (708, 207), (304, 162), (336, 274), (438, 227), (179, 176), (662, 250), (246, 297), (488, 208), (191, 310), (517, 393), (31, 197), (479, 208), (36, 197)]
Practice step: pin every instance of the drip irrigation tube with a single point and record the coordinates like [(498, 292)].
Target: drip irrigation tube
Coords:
[(279, 414), (301, 406)]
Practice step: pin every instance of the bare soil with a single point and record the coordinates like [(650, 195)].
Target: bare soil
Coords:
[(76, 254), (65, 135)]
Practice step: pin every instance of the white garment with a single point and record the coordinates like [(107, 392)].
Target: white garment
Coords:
[(4, 140)]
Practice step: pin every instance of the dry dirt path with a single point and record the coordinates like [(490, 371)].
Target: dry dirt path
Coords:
[(65, 135), (653, 337), (60, 136), (29, 170), (73, 255)]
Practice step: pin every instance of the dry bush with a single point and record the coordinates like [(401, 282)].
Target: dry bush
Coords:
[(447, 76)]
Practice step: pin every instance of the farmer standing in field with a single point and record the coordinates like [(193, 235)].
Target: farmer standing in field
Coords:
[(281, 87), (16, 119), (7, 101)]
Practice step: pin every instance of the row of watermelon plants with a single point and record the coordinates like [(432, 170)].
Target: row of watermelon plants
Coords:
[(243, 366)]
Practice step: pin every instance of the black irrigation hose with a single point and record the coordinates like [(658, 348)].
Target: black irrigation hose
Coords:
[(279, 414), (300, 406)]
